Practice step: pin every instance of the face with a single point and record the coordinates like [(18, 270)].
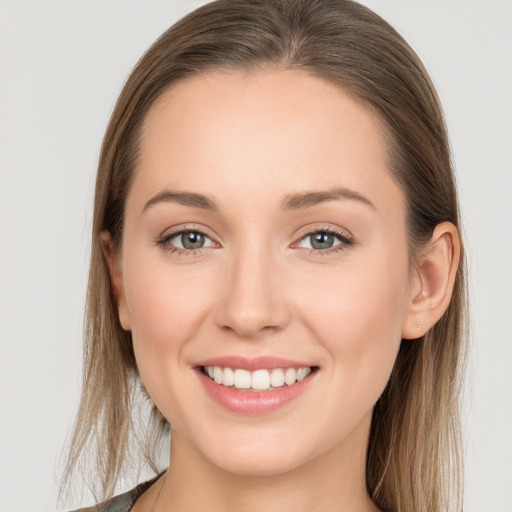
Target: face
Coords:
[(264, 240)]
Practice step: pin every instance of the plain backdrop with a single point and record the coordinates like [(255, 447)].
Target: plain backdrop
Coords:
[(62, 65)]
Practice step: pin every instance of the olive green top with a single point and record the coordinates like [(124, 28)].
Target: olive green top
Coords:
[(122, 503)]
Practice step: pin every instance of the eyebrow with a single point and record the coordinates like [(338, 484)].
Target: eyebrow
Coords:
[(291, 202), (312, 198), (191, 199)]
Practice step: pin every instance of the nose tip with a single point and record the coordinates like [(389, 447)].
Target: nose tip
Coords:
[(249, 324), (251, 301)]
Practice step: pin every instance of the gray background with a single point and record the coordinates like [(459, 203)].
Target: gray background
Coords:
[(62, 65)]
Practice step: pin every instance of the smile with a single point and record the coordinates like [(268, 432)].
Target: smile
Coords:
[(257, 380), (255, 386)]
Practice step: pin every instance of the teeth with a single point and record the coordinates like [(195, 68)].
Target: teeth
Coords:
[(228, 378), (258, 380), (218, 375), (302, 373), (290, 376), (242, 379), (277, 378)]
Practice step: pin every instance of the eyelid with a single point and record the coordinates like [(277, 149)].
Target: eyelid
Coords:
[(326, 228), (179, 234), (176, 230), (345, 237), (346, 240), (167, 235)]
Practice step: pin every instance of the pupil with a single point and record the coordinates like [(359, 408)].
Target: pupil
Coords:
[(322, 240), (192, 240)]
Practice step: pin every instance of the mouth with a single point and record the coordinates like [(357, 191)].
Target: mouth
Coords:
[(257, 385), (258, 380)]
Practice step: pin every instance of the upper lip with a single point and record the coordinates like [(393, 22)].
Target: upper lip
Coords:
[(254, 363)]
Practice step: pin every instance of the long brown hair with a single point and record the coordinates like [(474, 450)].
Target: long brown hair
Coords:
[(414, 453)]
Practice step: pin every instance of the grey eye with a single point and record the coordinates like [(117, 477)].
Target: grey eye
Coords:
[(188, 240), (322, 240), (192, 240)]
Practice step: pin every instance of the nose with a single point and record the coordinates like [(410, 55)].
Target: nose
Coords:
[(251, 298)]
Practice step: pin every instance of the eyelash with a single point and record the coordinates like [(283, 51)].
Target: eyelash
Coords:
[(345, 241), (163, 241)]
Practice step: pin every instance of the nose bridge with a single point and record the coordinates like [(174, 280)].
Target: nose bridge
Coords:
[(252, 298)]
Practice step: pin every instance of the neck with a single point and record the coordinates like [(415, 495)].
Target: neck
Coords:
[(334, 481)]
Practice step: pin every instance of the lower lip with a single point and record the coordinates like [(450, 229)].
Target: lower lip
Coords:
[(253, 402)]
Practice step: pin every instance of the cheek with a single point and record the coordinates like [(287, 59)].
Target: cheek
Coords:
[(164, 305), (362, 303), (167, 306), (357, 313)]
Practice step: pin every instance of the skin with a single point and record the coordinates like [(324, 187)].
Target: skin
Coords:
[(257, 288)]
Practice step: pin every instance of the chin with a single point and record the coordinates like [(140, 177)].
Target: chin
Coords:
[(264, 456), (263, 465)]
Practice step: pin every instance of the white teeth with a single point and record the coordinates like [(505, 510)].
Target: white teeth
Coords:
[(290, 376), (258, 380), (217, 374), (302, 373), (277, 378), (242, 379), (228, 377)]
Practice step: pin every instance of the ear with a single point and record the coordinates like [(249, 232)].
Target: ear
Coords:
[(116, 278), (432, 281)]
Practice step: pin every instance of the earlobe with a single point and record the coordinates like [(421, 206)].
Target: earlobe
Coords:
[(433, 282), (116, 278)]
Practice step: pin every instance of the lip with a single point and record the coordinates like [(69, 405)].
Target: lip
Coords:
[(253, 363), (253, 402)]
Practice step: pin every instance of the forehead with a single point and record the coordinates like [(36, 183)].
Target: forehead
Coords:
[(268, 132)]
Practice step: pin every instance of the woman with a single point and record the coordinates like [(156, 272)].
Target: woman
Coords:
[(277, 264)]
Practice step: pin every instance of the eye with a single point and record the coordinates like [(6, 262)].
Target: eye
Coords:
[(324, 240), (186, 240)]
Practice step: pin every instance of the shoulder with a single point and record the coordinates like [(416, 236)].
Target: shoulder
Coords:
[(121, 503)]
